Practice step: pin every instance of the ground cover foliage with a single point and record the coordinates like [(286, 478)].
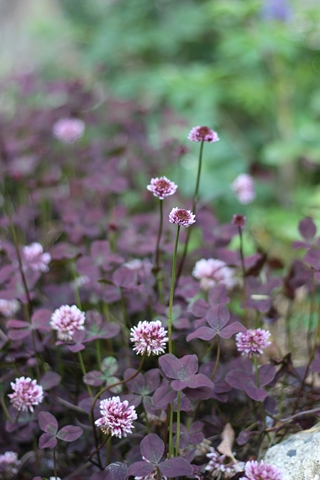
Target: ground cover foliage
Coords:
[(130, 350)]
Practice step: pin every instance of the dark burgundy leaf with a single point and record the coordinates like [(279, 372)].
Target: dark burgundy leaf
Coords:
[(312, 257), (170, 366), (69, 433), (48, 423), (204, 333), (190, 366), (218, 294), (231, 329), (266, 374), (41, 319), (244, 437), (152, 448), (307, 228), (199, 308), (299, 244), (140, 469), (50, 380), (125, 277), (64, 251), (176, 467), (94, 378), (46, 440), (118, 470), (163, 396), (218, 316)]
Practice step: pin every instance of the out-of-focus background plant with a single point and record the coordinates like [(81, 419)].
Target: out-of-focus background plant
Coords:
[(250, 69)]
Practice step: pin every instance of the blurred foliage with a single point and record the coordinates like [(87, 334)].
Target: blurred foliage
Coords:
[(237, 66)]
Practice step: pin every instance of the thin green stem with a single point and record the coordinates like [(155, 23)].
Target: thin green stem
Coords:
[(84, 372), (194, 209), (159, 237), (171, 431), (178, 423), (173, 278), (55, 464), (217, 358), (244, 292)]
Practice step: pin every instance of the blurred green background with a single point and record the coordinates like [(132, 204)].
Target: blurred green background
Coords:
[(247, 68)]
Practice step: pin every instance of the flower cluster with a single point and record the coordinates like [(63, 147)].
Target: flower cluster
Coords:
[(66, 320), (162, 187), (211, 272), (68, 130), (243, 186), (34, 258), (8, 307), (203, 134), (117, 417), (239, 220), (181, 217), (261, 471), (149, 338), (220, 465), (9, 465), (26, 394), (251, 342)]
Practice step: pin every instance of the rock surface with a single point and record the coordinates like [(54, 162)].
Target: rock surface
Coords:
[(298, 456)]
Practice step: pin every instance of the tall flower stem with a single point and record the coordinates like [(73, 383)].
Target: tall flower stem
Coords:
[(173, 278), (108, 387), (84, 372), (159, 237), (194, 208), (217, 358), (178, 423), (244, 287), (55, 464), (171, 432)]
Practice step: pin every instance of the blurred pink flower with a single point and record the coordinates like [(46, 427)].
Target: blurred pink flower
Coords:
[(211, 272), (33, 257), (149, 338), (222, 465), (251, 342), (261, 471), (181, 217), (9, 464), (8, 307), (68, 130), (26, 394), (203, 134), (239, 220), (117, 417), (66, 320), (162, 187), (243, 186)]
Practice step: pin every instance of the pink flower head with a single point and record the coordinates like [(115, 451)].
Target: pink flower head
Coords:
[(252, 342), (117, 417), (239, 220), (181, 217), (162, 187), (9, 464), (68, 130), (211, 272), (66, 320), (33, 257), (243, 186), (26, 394), (222, 465), (261, 471), (149, 338), (8, 308), (203, 134)]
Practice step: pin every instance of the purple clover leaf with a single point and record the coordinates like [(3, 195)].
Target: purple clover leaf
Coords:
[(152, 449), (97, 327), (76, 345), (182, 374), (244, 380), (48, 423), (19, 329), (218, 318), (109, 367), (114, 471)]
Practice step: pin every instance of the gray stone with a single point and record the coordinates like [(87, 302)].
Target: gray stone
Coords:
[(298, 456)]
